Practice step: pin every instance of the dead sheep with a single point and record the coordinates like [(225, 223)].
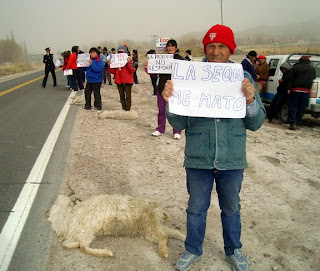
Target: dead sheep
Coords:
[(78, 223), (118, 114), (77, 99)]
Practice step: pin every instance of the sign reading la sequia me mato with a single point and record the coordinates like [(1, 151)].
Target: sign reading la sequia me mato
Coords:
[(206, 89)]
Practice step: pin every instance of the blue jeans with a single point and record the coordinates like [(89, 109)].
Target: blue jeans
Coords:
[(228, 186)]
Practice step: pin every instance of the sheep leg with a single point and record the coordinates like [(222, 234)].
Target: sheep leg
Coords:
[(70, 244), (85, 248), (163, 248), (173, 233)]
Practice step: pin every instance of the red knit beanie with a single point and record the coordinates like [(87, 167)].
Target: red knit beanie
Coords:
[(221, 34)]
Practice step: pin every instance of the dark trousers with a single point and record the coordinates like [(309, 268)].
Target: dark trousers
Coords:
[(106, 75), (135, 77), (95, 88), (277, 102), (298, 102), (46, 71), (76, 80), (154, 80), (125, 96)]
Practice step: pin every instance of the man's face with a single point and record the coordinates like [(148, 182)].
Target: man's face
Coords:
[(48, 51), (261, 60), (217, 52)]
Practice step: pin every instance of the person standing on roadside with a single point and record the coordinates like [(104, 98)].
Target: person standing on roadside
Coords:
[(135, 59), (106, 71), (188, 55), (66, 56), (49, 67), (262, 73), (153, 76), (94, 79), (215, 151), (249, 63), (171, 48), (123, 77), (72, 64), (300, 79)]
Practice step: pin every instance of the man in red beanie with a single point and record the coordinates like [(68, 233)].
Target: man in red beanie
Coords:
[(215, 151), (262, 73)]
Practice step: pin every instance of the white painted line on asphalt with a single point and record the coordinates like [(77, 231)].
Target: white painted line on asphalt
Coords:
[(11, 232)]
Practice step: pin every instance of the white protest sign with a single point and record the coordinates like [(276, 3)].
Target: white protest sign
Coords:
[(83, 60), (206, 89), (161, 43), (119, 60), (160, 63)]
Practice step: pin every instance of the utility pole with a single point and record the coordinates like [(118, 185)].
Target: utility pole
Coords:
[(221, 13)]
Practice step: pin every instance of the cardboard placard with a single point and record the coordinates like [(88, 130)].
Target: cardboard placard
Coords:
[(206, 89), (160, 63), (83, 60), (119, 60)]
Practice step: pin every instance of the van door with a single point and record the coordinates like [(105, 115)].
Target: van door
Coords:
[(273, 80)]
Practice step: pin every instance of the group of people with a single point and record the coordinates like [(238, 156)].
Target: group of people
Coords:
[(258, 68), (209, 141), (98, 72), (294, 86)]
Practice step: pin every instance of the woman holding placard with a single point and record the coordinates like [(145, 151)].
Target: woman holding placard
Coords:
[(171, 48), (123, 77), (72, 64)]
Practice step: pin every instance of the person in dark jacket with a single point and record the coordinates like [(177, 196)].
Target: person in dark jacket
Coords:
[(215, 152), (153, 76), (94, 75), (281, 96), (300, 79), (249, 62), (49, 67), (135, 59), (171, 48)]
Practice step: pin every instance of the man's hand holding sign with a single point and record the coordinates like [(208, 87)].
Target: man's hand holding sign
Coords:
[(208, 90)]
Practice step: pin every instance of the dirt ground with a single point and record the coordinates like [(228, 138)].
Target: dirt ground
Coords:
[(279, 198)]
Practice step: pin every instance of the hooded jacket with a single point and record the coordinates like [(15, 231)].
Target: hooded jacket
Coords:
[(301, 76), (123, 75)]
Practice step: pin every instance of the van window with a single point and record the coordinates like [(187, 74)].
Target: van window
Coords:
[(273, 63)]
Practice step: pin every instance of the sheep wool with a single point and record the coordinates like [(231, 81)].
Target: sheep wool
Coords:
[(78, 223)]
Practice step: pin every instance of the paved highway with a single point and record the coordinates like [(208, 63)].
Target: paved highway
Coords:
[(27, 116)]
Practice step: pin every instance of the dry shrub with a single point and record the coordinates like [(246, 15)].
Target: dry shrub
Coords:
[(10, 68), (118, 114)]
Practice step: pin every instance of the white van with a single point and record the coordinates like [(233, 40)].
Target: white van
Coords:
[(275, 74)]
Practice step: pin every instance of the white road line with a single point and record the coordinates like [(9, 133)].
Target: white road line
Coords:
[(11, 231)]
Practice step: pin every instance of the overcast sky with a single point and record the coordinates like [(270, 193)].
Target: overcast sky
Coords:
[(61, 24)]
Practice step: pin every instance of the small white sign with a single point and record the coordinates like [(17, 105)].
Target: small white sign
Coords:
[(206, 89), (83, 60), (161, 43), (119, 60), (160, 63)]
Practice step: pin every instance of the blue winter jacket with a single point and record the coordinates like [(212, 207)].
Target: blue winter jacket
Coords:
[(94, 71)]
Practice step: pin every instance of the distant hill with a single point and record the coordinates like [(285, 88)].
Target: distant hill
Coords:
[(303, 32)]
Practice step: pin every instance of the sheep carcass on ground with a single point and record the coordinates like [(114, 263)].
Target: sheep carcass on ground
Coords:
[(78, 223)]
